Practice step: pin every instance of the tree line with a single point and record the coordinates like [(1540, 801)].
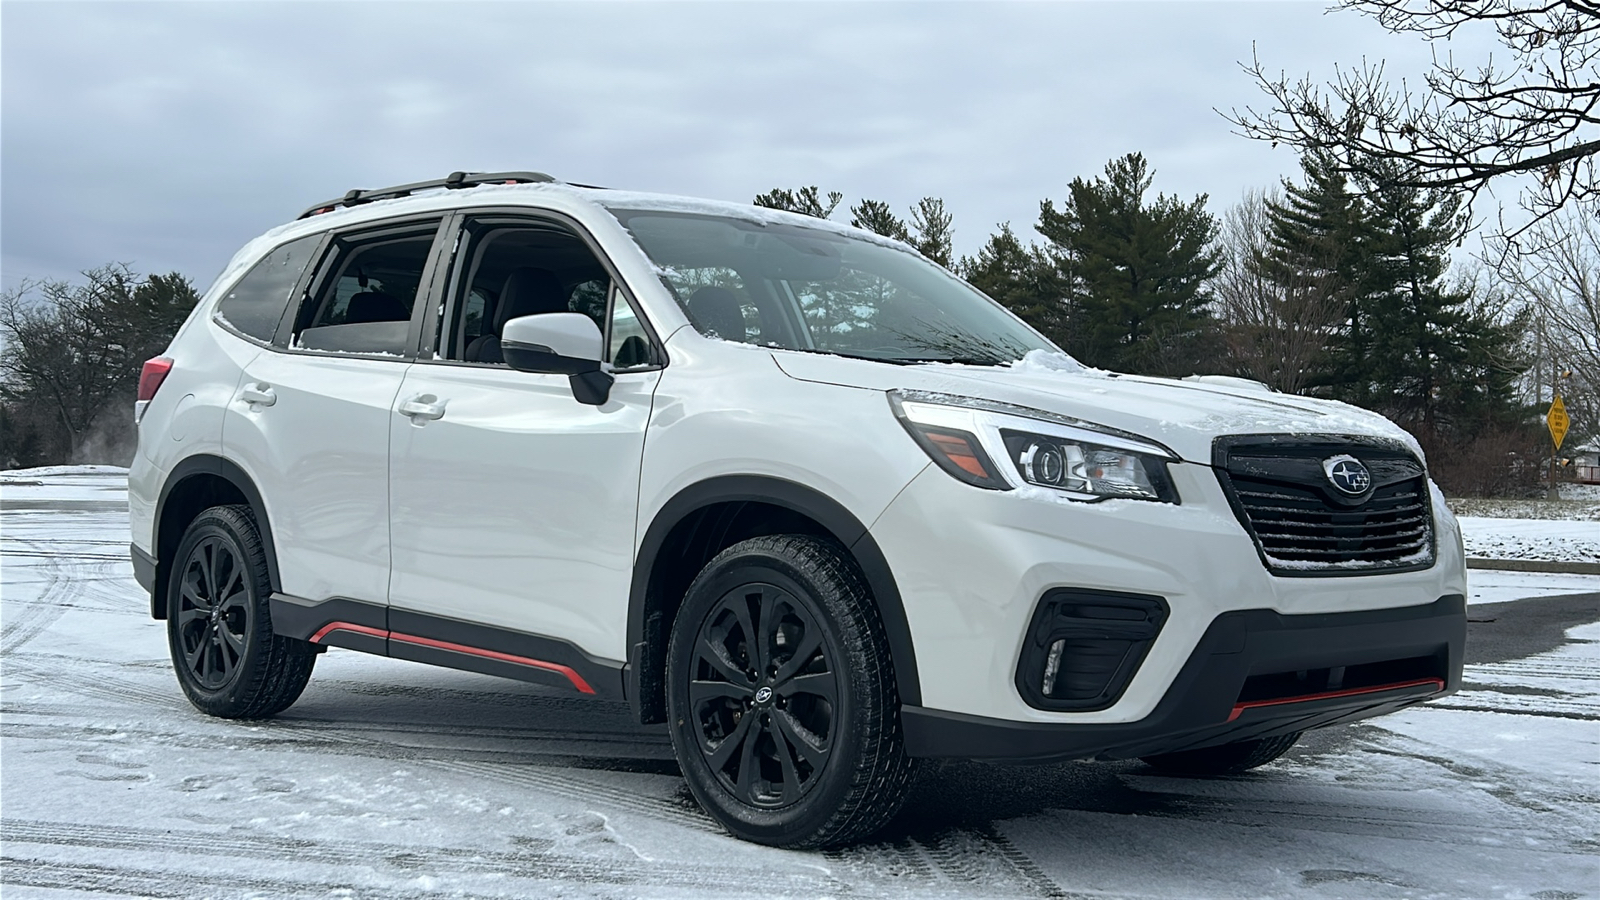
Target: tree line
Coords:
[(69, 367), (1328, 285)]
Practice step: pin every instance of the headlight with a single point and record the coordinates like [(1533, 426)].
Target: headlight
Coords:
[(1080, 460)]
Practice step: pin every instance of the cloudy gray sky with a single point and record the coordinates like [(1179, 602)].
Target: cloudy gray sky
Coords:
[(165, 135)]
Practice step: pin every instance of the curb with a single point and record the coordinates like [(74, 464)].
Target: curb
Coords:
[(1535, 565)]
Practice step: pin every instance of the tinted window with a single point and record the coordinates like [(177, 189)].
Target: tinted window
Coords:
[(365, 296), (256, 304), (628, 343), (508, 270)]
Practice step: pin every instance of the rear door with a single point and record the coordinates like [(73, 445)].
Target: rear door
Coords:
[(512, 505), (310, 421)]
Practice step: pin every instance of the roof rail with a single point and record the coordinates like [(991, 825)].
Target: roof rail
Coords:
[(454, 181)]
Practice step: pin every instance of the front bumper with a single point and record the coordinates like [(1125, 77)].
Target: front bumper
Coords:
[(1208, 704), (971, 566)]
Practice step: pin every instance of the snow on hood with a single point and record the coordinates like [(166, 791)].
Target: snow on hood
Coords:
[(1183, 415)]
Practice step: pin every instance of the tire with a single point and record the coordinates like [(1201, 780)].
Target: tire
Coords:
[(807, 752), (219, 629), (1227, 759)]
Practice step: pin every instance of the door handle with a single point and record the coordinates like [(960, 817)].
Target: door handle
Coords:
[(423, 406), (259, 394)]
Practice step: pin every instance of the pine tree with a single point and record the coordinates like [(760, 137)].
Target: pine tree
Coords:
[(1138, 269), (876, 217), (1436, 364), (806, 201), (1022, 279), (1319, 245), (933, 234)]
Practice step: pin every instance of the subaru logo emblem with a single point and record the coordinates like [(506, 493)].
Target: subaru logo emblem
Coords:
[(763, 695), (1348, 474)]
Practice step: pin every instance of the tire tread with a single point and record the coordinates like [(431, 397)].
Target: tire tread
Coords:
[(285, 666)]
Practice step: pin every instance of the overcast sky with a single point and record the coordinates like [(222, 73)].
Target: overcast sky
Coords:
[(166, 135)]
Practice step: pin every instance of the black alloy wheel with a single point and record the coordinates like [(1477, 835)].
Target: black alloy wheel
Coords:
[(781, 697), (219, 625), (762, 695), (213, 612)]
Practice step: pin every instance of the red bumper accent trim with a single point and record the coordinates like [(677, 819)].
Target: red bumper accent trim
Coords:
[(1239, 708), (566, 671)]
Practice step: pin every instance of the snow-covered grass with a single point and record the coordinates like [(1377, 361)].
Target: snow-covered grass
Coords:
[(1560, 540), (1566, 508)]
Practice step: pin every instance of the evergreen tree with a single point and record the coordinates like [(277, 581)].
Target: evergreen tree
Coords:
[(933, 234), (806, 201), (1318, 248), (1022, 279), (1437, 364), (876, 217), (1138, 269)]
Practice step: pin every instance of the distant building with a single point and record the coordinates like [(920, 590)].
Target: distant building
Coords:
[(1586, 464)]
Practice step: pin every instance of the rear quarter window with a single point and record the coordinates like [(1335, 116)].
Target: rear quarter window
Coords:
[(256, 303)]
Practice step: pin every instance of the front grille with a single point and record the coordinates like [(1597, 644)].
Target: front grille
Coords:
[(1303, 525)]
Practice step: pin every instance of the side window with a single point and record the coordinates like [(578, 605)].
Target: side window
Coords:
[(628, 344), (366, 288), (507, 269), (256, 303)]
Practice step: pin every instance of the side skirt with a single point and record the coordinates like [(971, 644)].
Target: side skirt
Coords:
[(441, 641)]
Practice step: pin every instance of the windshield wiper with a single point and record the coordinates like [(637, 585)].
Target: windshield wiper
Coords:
[(955, 360), (894, 360)]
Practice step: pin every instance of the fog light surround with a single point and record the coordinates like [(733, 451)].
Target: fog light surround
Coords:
[(1084, 647)]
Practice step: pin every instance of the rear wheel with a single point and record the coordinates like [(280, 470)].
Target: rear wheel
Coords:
[(1228, 759), (219, 628), (781, 697)]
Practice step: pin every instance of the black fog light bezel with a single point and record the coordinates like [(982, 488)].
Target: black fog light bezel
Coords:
[(1074, 615)]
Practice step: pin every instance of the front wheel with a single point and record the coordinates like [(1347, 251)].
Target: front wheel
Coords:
[(227, 658), (1228, 759), (781, 697)]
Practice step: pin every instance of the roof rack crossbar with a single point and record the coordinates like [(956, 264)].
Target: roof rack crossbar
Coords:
[(451, 182)]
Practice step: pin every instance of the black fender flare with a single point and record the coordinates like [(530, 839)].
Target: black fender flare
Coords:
[(229, 471), (840, 522)]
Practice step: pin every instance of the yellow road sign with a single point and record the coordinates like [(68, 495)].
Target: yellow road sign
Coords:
[(1556, 418)]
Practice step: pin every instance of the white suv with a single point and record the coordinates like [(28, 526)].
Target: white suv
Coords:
[(787, 486)]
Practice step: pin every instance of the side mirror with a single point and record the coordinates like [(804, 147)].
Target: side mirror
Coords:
[(562, 343)]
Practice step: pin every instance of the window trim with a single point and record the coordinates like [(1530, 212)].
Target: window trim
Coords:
[(296, 293), (442, 301), (400, 227)]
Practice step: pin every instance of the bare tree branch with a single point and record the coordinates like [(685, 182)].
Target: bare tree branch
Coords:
[(1465, 126)]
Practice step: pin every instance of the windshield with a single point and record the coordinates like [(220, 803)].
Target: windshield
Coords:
[(797, 288)]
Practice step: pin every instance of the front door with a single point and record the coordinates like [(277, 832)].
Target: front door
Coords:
[(512, 505)]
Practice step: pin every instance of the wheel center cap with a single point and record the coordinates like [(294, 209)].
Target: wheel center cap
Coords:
[(763, 695)]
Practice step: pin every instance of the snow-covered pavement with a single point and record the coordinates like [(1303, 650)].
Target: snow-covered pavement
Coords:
[(394, 780)]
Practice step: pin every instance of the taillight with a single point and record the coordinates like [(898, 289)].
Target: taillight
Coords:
[(150, 378)]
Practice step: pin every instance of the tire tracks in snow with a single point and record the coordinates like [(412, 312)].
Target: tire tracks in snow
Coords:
[(26, 621), (534, 859), (965, 859)]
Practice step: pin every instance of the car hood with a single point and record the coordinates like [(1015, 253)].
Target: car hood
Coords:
[(1182, 415)]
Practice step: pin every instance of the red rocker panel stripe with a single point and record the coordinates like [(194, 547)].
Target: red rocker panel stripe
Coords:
[(346, 626), (566, 671), (1239, 708)]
